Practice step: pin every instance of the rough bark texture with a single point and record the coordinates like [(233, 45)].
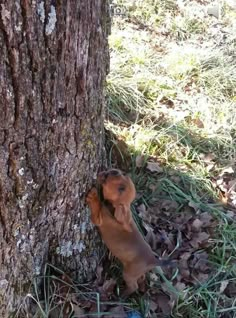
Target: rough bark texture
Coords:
[(52, 70)]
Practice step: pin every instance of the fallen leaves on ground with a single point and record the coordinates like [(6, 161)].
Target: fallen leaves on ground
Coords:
[(225, 182), (71, 299), (186, 235), (154, 167), (139, 161)]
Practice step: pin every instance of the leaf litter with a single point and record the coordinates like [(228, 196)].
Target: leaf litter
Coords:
[(187, 238), (185, 235)]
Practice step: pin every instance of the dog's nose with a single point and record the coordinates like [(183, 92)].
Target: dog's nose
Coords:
[(102, 177)]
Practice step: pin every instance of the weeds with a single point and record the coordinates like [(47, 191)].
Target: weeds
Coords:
[(184, 116), (60, 297)]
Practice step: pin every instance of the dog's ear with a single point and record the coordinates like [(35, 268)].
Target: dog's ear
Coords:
[(123, 216)]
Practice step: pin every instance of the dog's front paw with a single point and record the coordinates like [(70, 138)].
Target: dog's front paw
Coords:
[(92, 195)]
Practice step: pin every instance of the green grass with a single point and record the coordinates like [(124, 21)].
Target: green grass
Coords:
[(60, 298), (172, 99), (204, 300), (218, 74)]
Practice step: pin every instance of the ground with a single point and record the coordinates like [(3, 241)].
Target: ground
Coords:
[(170, 124)]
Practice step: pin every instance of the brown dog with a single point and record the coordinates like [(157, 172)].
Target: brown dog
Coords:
[(119, 231)]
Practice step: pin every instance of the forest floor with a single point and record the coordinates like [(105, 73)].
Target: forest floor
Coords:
[(171, 123)]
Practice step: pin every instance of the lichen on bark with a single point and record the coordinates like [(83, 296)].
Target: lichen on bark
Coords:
[(54, 58)]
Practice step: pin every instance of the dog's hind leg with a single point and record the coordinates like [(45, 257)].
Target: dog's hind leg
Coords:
[(131, 283)]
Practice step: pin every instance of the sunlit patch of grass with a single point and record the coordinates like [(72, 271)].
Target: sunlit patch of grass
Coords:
[(125, 101), (116, 41), (190, 188), (179, 62), (218, 74), (184, 28), (178, 145), (149, 12)]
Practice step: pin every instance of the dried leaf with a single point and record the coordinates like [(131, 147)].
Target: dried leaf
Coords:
[(164, 238), (163, 303), (228, 170), (167, 101), (193, 205), (223, 286), (55, 312), (184, 267), (153, 305), (199, 261), (185, 256), (169, 205), (99, 275), (108, 286), (219, 182), (154, 167), (173, 296), (196, 225), (185, 273), (201, 277), (151, 239), (152, 213), (85, 303), (198, 123), (232, 185), (153, 187), (180, 286), (139, 161), (175, 179), (142, 210), (78, 311), (154, 278), (93, 310), (207, 157), (210, 166), (198, 239), (230, 290), (147, 227), (117, 311), (206, 218), (183, 219)]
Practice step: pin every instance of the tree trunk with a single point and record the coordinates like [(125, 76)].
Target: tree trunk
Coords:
[(52, 70)]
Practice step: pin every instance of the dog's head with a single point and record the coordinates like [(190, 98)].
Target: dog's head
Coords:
[(117, 187), (119, 190)]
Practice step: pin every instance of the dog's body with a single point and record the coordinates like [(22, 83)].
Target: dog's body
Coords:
[(119, 231)]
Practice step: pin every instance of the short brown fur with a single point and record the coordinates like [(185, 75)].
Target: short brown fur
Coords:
[(119, 232)]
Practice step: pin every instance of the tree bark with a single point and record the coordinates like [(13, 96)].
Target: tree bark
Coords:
[(52, 71)]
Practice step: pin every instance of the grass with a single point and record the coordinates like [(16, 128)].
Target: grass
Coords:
[(203, 300), (172, 100), (60, 297)]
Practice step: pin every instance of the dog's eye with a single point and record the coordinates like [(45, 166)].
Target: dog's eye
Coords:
[(121, 188)]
